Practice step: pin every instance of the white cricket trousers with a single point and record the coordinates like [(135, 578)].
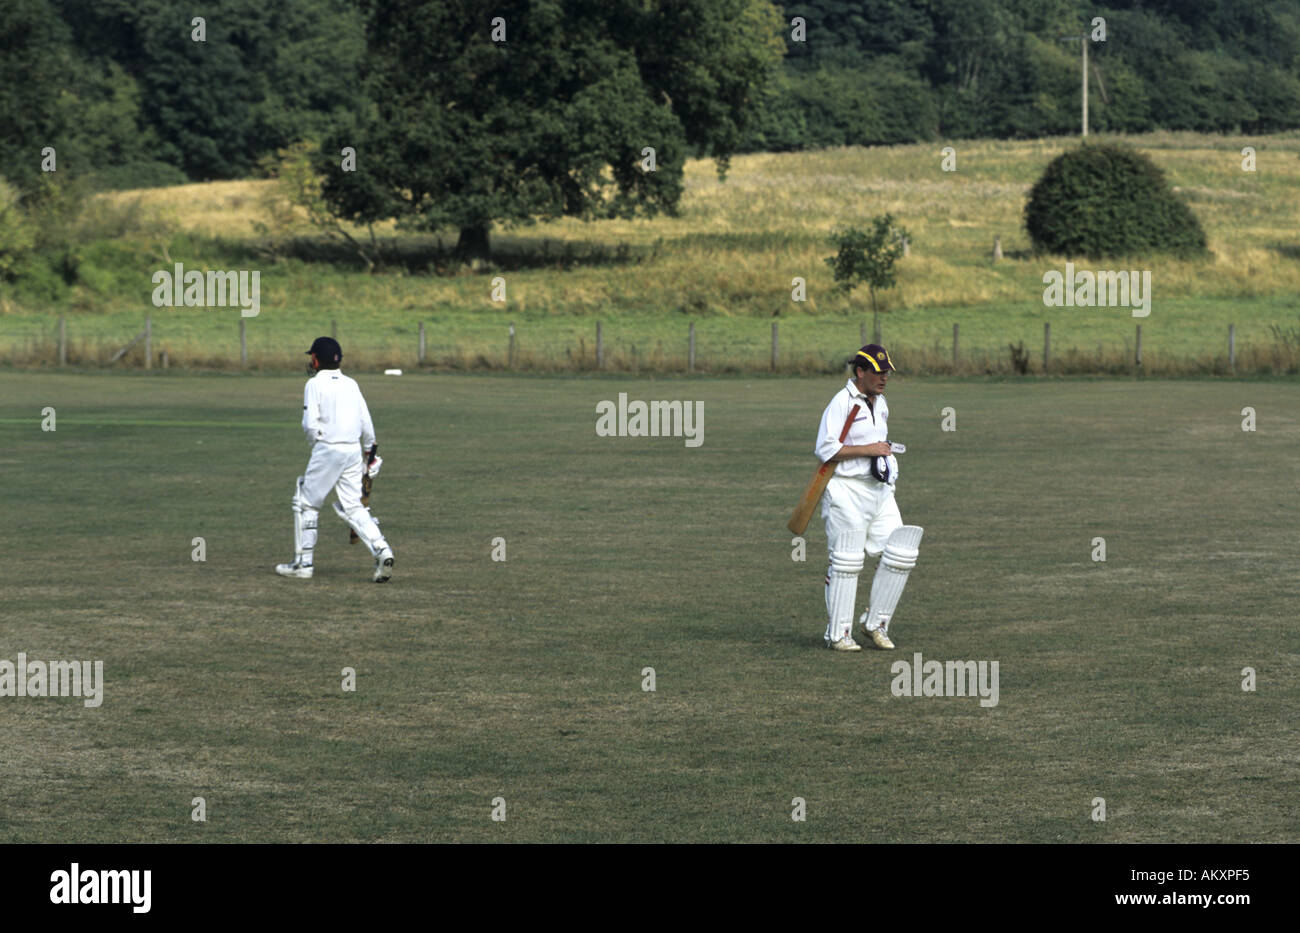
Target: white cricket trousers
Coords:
[(860, 515), (337, 467)]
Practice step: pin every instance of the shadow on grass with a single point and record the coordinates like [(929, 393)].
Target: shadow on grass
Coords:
[(428, 255), (434, 255)]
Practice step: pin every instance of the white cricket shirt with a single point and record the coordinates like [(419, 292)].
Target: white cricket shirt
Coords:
[(870, 426), (334, 411)]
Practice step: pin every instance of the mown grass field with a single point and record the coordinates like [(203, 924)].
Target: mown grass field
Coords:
[(726, 263), (522, 679)]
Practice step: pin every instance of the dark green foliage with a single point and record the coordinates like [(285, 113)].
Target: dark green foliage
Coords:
[(994, 68), (135, 86), (463, 131), (846, 107), (145, 174), (112, 83), (34, 43), (60, 238), (845, 30), (102, 267), (103, 121), (1100, 201)]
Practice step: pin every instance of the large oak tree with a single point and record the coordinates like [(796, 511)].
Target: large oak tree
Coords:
[(464, 131)]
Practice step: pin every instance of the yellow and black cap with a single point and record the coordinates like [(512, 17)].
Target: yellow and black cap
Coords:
[(874, 358)]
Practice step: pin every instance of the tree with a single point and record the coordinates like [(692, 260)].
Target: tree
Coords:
[(31, 69), (544, 109), (868, 258), (16, 234), (297, 193), (265, 75)]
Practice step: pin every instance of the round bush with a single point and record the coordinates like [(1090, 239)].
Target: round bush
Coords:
[(1099, 201)]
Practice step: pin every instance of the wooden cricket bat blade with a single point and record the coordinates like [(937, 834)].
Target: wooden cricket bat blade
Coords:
[(811, 496)]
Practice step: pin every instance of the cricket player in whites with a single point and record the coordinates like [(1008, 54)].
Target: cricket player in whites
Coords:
[(862, 518), (334, 417)]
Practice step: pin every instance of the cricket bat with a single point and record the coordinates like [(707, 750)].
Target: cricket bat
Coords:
[(813, 494), (366, 481)]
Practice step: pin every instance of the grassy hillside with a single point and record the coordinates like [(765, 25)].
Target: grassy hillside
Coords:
[(726, 263)]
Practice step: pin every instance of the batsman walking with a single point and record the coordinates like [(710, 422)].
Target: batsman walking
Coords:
[(335, 418), (862, 518)]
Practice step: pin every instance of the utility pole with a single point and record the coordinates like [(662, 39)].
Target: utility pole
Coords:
[(1084, 43), (1082, 40)]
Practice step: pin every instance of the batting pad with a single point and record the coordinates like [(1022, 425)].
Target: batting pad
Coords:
[(848, 555), (304, 527), (901, 551), (364, 524)]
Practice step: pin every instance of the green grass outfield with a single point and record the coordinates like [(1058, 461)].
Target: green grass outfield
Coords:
[(522, 679), (1181, 336)]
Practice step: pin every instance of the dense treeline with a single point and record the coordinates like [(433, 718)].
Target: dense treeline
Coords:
[(889, 71), (122, 92)]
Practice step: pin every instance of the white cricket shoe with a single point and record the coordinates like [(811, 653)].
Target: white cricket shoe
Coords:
[(383, 565), (844, 644), (880, 639), (295, 569)]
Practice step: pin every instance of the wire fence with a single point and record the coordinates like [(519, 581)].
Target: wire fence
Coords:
[(601, 346)]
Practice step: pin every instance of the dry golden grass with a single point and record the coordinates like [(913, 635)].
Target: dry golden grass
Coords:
[(768, 222), (727, 262)]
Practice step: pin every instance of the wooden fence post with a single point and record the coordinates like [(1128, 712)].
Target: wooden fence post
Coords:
[(127, 349), (421, 354), (1137, 352), (774, 344), (1232, 346), (690, 352), (954, 344), (600, 347), (510, 352)]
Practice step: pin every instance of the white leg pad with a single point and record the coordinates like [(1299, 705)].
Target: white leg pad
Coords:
[(364, 524), (848, 555), (304, 527), (896, 563)]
